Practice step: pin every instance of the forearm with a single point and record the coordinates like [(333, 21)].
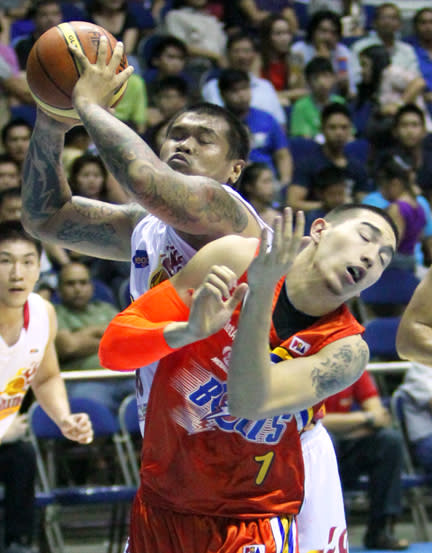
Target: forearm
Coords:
[(130, 160), (284, 166), (248, 375), (414, 341), (342, 423), (74, 345), (413, 90), (52, 396), (45, 189)]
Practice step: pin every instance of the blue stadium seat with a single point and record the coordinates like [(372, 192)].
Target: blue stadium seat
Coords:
[(380, 336)]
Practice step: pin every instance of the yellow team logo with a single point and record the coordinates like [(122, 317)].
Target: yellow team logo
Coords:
[(4, 413), (17, 385)]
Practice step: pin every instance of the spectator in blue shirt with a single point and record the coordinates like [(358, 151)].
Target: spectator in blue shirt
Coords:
[(336, 127), (268, 140), (422, 43)]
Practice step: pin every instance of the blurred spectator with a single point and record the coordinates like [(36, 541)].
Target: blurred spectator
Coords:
[(9, 172), (132, 108), (202, 32), (16, 139), (115, 17), (337, 131), (258, 187), (13, 85), (276, 35), (323, 35), (269, 143), (416, 390), (254, 12), (389, 87), (167, 58), (387, 23), (81, 323), (394, 180), (10, 204), (89, 178), (44, 14), (352, 13), (306, 112), (422, 43), (242, 54), (156, 134), (171, 96), (366, 443), (412, 144), (333, 191), (77, 142)]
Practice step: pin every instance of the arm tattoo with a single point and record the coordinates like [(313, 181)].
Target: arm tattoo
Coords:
[(132, 162), (103, 234), (340, 370), (41, 195)]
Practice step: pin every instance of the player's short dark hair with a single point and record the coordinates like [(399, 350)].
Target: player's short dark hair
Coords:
[(334, 108), (344, 212), (231, 77), (237, 135), (317, 66), (14, 231), (16, 122), (409, 108)]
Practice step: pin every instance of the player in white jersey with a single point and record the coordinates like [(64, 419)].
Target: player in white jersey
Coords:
[(27, 358), (204, 147)]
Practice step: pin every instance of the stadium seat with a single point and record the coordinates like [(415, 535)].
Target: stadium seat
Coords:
[(380, 336), (42, 429), (129, 428)]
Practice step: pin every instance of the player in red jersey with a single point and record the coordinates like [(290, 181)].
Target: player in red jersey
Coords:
[(222, 469)]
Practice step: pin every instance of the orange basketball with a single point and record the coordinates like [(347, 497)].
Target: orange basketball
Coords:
[(52, 70)]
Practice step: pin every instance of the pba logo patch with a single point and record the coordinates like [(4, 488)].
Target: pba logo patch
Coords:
[(254, 549), (140, 259), (299, 346)]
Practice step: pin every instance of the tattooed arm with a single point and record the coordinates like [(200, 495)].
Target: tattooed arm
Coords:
[(194, 205), (51, 213)]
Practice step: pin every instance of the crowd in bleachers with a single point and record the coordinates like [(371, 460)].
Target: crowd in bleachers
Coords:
[(337, 99)]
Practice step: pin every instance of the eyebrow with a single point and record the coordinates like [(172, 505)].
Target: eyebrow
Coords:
[(377, 234), (200, 128)]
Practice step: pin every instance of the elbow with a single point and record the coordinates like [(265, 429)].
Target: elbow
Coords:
[(110, 356), (245, 405), (31, 225)]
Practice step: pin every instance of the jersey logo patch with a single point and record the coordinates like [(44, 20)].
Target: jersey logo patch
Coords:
[(140, 259), (299, 346), (254, 549)]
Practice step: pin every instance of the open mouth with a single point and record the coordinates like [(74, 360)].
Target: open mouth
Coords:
[(356, 273)]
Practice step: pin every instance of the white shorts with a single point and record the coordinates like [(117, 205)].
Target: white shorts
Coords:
[(321, 523)]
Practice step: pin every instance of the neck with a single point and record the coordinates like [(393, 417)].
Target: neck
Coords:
[(309, 293), (388, 40), (333, 152)]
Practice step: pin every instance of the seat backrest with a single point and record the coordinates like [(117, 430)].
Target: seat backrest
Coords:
[(396, 286), (128, 415), (103, 421), (380, 336)]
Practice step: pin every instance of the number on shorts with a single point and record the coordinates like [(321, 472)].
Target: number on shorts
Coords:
[(266, 461)]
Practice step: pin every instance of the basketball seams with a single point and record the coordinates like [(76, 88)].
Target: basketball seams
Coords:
[(47, 75), (62, 33)]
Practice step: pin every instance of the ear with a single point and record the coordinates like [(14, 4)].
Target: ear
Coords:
[(236, 170), (317, 227)]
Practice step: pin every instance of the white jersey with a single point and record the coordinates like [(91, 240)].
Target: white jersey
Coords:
[(158, 253), (19, 363)]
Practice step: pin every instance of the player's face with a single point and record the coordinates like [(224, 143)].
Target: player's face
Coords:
[(17, 142), (352, 255), (90, 180), (75, 287), (198, 145), (19, 271)]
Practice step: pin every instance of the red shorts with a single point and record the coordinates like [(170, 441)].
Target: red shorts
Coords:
[(155, 530)]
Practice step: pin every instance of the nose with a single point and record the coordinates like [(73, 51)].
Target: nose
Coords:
[(16, 271), (185, 145)]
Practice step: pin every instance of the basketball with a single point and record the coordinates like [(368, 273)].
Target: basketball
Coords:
[(52, 71)]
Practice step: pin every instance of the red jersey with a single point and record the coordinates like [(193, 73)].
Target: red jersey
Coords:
[(197, 458), (343, 402)]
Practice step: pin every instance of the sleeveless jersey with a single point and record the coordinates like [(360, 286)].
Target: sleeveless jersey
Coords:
[(197, 458), (19, 363), (158, 253)]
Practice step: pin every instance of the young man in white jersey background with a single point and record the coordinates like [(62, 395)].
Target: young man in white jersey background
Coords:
[(189, 207), (27, 359)]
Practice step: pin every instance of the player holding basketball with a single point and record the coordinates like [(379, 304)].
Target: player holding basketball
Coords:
[(28, 358), (218, 476), (187, 205)]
